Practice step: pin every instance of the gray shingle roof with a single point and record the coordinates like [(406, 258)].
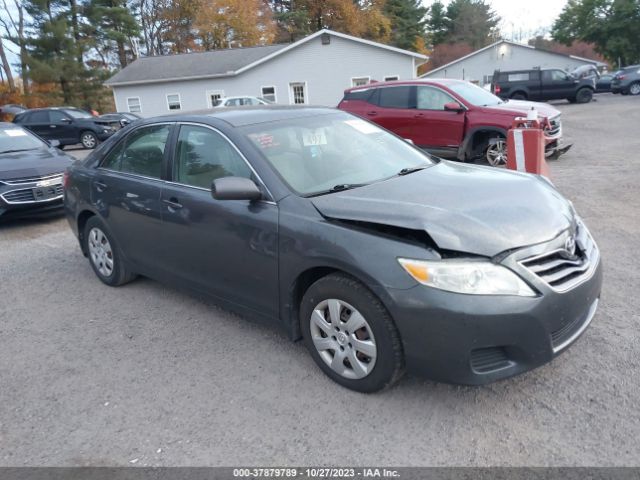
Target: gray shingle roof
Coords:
[(190, 65)]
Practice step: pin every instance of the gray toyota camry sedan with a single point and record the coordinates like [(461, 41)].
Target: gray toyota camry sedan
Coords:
[(377, 255)]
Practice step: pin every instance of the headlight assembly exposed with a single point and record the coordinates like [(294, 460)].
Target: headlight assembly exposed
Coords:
[(476, 277)]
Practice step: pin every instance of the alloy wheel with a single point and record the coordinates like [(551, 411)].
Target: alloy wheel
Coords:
[(497, 153), (88, 140), (634, 89), (100, 252), (343, 338)]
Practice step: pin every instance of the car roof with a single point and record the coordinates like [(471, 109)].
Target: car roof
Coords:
[(238, 117), (416, 81)]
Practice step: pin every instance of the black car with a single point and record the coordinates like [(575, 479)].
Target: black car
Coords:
[(69, 126), (376, 254), (122, 118), (627, 81), (30, 173), (542, 84), (603, 83)]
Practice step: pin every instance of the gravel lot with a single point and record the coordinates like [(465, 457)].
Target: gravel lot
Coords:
[(146, 375)]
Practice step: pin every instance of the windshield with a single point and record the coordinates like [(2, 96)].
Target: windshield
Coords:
[(325, 153), (78, 114), (475, 95), (17, 139)]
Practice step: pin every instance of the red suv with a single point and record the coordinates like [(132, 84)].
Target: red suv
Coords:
[(449, 118)]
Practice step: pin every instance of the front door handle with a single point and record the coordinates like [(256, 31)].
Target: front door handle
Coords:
[(172, 204), (100, 186), (372, 113), (52, 126), (418, 115)]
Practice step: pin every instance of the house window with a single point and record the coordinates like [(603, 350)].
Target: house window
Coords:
[(173, 101), (269, 93), (133, 105), (298, 94), (214, 97), (391, 78), (360, 81)]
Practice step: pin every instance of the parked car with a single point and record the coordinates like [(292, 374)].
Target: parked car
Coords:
[(376, 254), (241, 102), (542, 84), (69, 126), (603, 84), (449, 118), (30, 173), (122, 118), (627, 81)]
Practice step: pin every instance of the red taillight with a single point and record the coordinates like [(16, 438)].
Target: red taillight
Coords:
[(621, 77), (65, 179), (496, 89)]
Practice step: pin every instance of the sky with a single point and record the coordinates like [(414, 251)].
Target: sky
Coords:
[(521, 19)]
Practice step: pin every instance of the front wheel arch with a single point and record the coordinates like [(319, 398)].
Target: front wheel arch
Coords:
[(477, 140)]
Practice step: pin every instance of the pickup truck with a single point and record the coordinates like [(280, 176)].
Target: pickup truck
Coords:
[(542, 84)]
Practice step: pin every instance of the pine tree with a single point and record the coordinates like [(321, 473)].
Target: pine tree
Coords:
[(408, 22)]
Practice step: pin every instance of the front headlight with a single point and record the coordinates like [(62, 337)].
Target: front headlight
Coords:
[(478, 277)]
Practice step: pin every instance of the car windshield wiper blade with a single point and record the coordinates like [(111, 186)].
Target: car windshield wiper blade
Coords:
[(408, 170), (18, 150), (338, 188)]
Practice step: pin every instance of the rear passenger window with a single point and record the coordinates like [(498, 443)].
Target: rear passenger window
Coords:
[(395, 97), (519, 77), (204, 155), (41, 116), (141, 153)]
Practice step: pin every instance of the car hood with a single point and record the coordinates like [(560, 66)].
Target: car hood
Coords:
[(471, 209), (522, 107), (32, 163)]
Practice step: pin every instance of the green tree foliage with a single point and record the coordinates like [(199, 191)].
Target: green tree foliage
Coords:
[(472, 22), (408, 22), (113, 29), (613, 26)]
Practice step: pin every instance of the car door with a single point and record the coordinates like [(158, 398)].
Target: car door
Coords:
[(394, 109), (224, 247), (557, 84), (435, 126), (126, 191), (61, 127), (38, 122)]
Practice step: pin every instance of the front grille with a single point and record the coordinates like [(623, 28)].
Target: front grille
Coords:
[(563, 337), (34, 179), (562, 270), (555, 127), (486, 360), (29, 195)]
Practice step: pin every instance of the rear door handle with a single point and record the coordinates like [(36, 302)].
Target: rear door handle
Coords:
[(172, 204), (372, 113), (100, 186), (418, 115)]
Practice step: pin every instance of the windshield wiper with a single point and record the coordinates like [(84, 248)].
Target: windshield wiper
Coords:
[(408, 170), (18, 150), (338, 188)]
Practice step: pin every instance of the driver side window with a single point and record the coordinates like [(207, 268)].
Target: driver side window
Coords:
[(430, 98), (58, 117), (204, 155)]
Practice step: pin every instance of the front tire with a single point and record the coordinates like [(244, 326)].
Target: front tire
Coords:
[(350, 335), (584, 95), (89, 140), (634, 88), (496, 153), (104, 256)]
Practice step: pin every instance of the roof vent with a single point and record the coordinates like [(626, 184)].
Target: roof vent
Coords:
[(326, 38)]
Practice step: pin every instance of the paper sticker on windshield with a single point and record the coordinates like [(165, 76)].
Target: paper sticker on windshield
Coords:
[(362, 126), (15, 132), (314, 137)]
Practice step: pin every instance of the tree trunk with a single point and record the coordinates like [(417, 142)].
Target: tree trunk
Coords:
[(7, 68)]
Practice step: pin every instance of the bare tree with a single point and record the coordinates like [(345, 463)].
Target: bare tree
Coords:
[(6, 67), (14, 31)]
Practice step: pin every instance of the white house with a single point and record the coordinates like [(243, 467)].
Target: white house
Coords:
[(478, 66), (315, 70)]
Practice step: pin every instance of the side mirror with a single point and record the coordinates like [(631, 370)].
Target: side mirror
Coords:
[(235, 188), (453, 107), (54, 143)]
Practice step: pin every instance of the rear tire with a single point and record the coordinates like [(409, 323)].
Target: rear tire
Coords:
[(519, 96), (584, 95), (104, 255), (350, 335)]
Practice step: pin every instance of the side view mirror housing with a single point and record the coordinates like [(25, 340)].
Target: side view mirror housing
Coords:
[(54, 143), (235, 188), (453, 107)]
